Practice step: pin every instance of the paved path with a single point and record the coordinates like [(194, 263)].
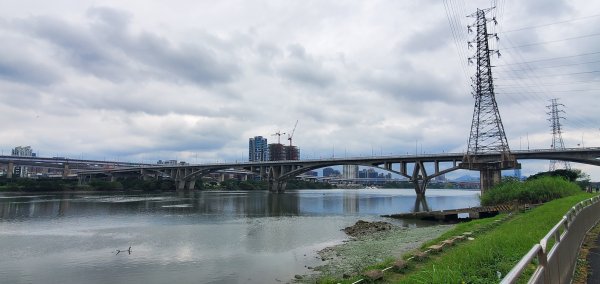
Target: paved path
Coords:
[(594, 261)]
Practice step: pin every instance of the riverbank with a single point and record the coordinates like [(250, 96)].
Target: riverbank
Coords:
[(494, 246), (375, 248)]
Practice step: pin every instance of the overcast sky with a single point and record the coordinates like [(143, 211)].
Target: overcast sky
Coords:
[(193, 80)]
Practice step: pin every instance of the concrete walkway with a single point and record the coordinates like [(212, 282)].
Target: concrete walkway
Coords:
[(594, 261)]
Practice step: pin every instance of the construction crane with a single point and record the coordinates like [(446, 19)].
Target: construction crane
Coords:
[(278, 134), (290, 136)]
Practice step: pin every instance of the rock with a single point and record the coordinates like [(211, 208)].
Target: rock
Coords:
[(346, 276), (418, 256), (298, 276), (448, 242), (436, 248), (399, 265), (373, 275), (362, 228), (459, 238)]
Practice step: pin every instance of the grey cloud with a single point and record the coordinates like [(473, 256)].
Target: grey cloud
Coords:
[(428, 40), (77, 46), (191, 62), (196, 63), (24, 71), (422, 87), (547, 8), (153, 103), (299, 67), (110, 17), (108, 50)]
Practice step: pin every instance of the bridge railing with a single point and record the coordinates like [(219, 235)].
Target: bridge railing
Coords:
[(556, 265)]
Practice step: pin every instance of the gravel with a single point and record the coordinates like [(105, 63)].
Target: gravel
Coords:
[(373, 243)]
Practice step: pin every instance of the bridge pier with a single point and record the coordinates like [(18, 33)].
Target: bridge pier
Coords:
[(180, 185), (488, 178), (490, 169), (183, 185), (420, 179), (276, 184), (421, 204), (10, 170), (191, 184), (66, 171)]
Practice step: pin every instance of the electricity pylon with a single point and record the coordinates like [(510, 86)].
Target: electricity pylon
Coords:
[(557, 140)]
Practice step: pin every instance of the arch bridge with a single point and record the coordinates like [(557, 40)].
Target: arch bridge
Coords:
[(418, 169)]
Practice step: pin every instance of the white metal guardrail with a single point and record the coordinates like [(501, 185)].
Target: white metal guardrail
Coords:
[(555, 265)]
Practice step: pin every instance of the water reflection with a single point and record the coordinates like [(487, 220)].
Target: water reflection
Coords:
[(194, 237), (421, 204), (237, 204)]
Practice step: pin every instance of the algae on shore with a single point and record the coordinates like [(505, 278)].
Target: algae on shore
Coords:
[(353, 256)]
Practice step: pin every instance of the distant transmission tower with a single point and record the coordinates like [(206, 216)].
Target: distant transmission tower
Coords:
[(487, 131), (557, 140)]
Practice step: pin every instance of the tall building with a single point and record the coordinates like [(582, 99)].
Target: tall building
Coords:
[(277, 152), (258, 149), (350, 171), (291, 152), (22, 151)]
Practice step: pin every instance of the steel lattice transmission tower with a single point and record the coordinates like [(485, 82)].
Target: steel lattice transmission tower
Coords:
[(487, 131), (557, 140), (488, 150)]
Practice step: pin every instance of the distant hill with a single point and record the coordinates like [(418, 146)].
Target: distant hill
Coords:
[(466, 178)]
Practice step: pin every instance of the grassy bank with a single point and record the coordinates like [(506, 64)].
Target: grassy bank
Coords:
[(533, 191), (493, 252), (348, 260)]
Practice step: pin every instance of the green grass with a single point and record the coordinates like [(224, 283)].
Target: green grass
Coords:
[(493, 251), (471, 226), (533, 191)]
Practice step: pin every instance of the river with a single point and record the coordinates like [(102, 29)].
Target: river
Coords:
[(199, 237)]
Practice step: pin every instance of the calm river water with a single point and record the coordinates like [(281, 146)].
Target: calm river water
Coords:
[(200, 237)]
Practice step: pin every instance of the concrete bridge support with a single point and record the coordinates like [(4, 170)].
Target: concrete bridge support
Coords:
[(489, 178), (144, 175), (420, 179), (10, 170), (183, 185), (66, 171), (276, 183), (180, 185), (191, 184), (421, 204), (490, 169)]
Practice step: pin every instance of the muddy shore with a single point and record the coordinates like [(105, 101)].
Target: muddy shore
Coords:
[(370, 243)]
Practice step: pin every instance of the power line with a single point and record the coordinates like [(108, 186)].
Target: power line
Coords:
[(563, 74), (554, 41), (562, 65), (550, 59), (546, 84), (534, 78), (551, 24), (545, 92)]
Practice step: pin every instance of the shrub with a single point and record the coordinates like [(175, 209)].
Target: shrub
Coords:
[(539, 190)]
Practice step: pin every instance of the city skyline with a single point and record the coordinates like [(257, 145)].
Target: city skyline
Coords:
[(193, 80)]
